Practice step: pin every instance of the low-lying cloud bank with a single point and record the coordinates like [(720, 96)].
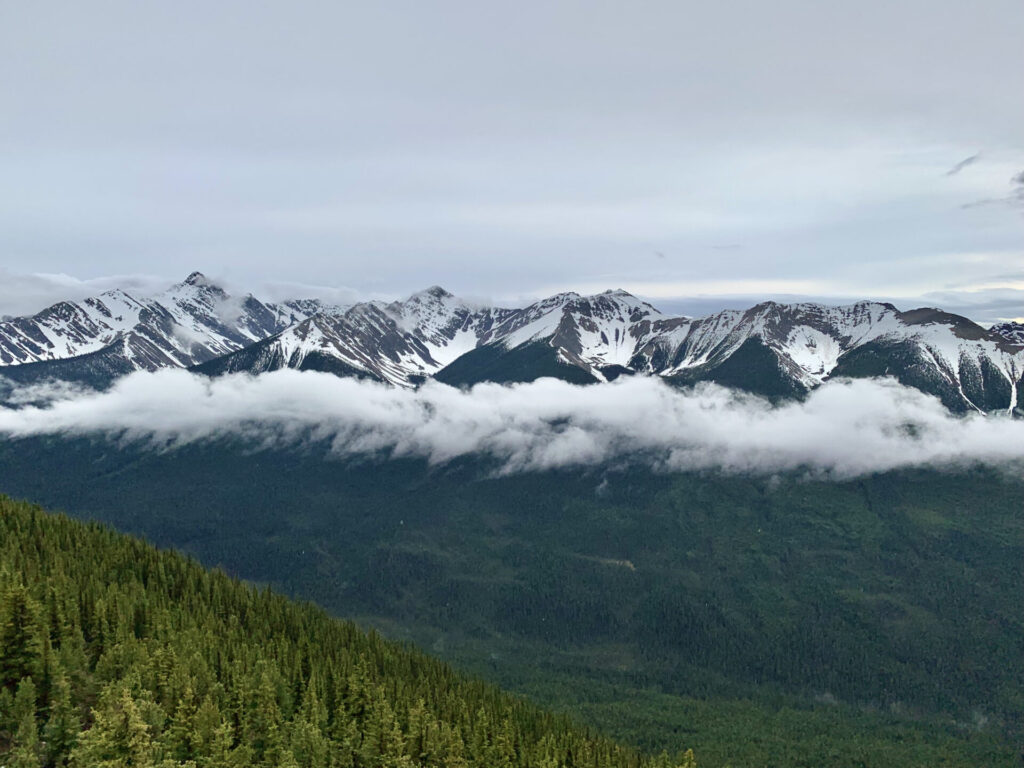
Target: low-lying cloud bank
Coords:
[(844, 429)]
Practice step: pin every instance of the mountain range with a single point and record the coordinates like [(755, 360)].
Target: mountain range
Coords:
[(777, 350)]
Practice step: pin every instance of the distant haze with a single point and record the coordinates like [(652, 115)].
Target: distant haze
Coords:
[(697, 154)]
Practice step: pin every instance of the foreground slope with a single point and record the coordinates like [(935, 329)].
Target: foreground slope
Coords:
[(115, 654)]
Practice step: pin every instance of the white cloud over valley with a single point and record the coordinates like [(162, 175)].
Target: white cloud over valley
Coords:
[(843, 429)]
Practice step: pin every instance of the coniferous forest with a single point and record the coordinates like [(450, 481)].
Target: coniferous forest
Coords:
[(116, 654), (784, 621)]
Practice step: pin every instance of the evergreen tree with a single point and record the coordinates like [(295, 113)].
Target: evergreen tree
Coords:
[(25, 747), (21, 643), (119, 736), (62, 726)]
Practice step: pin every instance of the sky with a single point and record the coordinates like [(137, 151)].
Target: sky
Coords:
[(700, 155)]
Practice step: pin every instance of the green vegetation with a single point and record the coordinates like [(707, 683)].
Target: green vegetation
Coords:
[(114, 654), (762, 621)]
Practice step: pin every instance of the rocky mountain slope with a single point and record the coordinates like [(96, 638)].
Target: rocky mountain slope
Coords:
[(1011, 331), (400, 343), (782, 349), (115, 333), (778, 350)]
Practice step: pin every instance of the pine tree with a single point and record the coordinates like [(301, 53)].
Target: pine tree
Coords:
[(307, 742), (21, 643), (205, 722), (265, 723), (345, 738), (25, 747), (62, 726), (392, 740), (179, 737), (222, 752), (119, 736), (8, 725)]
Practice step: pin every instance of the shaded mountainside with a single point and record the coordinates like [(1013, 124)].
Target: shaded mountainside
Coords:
[(869, 622), (778, 350), (113, 653)]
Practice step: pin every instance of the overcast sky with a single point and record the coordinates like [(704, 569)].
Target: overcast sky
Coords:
[(700, 154)]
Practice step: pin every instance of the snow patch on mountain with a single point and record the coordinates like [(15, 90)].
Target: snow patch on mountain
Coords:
[(192, 321)]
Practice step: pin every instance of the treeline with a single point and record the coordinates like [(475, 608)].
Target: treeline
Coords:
[(116, 654)]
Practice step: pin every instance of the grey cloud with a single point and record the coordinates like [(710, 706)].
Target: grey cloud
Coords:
[(282, 290), (963, 164), (386, 146), (844, 429), (985, 202), (23, 294), (985, 306), (1015, 198)]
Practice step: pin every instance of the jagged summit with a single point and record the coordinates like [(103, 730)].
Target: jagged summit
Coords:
[(1012, 331), (434, 291), (562, 297), (196, 278)]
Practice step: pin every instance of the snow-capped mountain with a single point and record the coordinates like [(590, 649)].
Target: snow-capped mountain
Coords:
[(795, 347), (1011, 331), (774, 349), (582, 338), (447, 326), (399, 343), (405, 342), (116, 333), (779, 350)]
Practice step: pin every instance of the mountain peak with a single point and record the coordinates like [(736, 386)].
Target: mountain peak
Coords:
[(560, 298), (113, 293), (196, 278), (434, 291), (1011, 330)]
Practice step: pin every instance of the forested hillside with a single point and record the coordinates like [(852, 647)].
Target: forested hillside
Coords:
[(115, 654), (868, 622)]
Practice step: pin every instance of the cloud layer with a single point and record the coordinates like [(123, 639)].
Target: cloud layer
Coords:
[(843, 429)]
